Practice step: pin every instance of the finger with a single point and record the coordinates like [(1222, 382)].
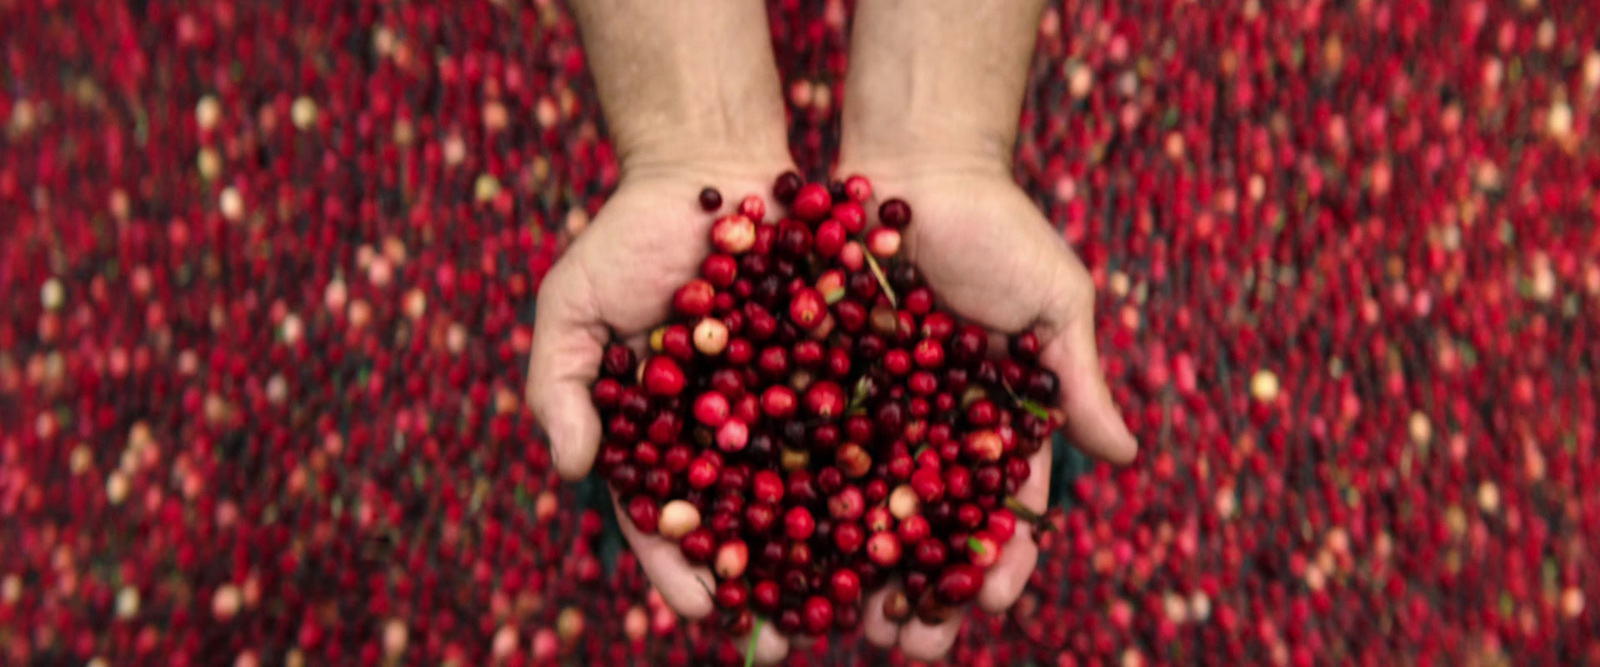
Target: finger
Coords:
[(684, 587), (1004, 582), (877, 628), (922, 641), (1093, 421), (565, 359), (771, 646)]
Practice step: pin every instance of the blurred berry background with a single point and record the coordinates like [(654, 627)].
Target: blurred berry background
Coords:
[(268, 274)]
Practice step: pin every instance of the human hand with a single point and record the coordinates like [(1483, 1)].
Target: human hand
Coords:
[(617, 279), (985, 249)]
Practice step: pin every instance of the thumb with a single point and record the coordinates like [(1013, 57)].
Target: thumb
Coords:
[(1092, 419), (564, 362)]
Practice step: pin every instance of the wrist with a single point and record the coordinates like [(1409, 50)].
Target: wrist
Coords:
[(715, 155)]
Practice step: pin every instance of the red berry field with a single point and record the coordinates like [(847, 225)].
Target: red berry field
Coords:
[(267, 292)]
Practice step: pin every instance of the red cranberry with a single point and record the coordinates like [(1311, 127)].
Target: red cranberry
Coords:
[(759, 517), (958, 584), (605, 393), (858, 188), (969, 516), (704, 472), (698, 545), (798, 524), (786, 186), (848, 537), (710, 200), (844, 586), (895, 214), (765, 595), (850, 216), (928, 484), (883, 548), (695, 298), (643, 512), (848, 504), (807, 308), (929, 554), (825, 399), (711, 409), (732, 594), (618, 360), (817, 615), (913, 530), (812, 202)]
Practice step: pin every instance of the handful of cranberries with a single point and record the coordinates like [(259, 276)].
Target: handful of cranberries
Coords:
[(810, 422)]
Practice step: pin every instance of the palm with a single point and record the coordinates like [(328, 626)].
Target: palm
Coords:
[(984, 248), (618, 279)]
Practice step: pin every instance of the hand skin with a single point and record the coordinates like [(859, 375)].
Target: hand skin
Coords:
[(692, 99), (931, 106)]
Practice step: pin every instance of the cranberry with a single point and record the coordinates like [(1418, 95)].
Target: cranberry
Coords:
[(812, 202), (895, 214), (731, 594), (817, 615), (698, 545), (848, 537), (710, 200), (844, 586), (798, 524), (711, 409), (884, 548), (618, 360), (695, 298), (958, 584), (786, 187)]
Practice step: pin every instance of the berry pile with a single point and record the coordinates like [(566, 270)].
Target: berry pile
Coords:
[(811, 423)]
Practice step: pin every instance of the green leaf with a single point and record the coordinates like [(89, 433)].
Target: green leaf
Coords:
[(975, 546), (834, 295), (1034, 408), (750, 651), (883, 281)]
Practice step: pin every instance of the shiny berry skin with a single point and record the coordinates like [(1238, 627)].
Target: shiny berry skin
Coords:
[(817, 615), (848, 537), (753, 207), (766, 486), (644, 512), (698, 545), (798, 523), (929, 554), (858, 188), (663, 376), (786, 186), (710, 200), (694, 299), (812, 202), (765, 595), (732, 594), (825, 399), (958, 584), (759, 517), (807, 308), (884, 549), (851, 216), (895, 214), (618, 361), (844, 586), (983, 549), (712, 409), (913, 530), (928, 484)]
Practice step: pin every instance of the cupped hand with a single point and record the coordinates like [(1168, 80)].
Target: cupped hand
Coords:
[(617, 279), (992, 258)]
